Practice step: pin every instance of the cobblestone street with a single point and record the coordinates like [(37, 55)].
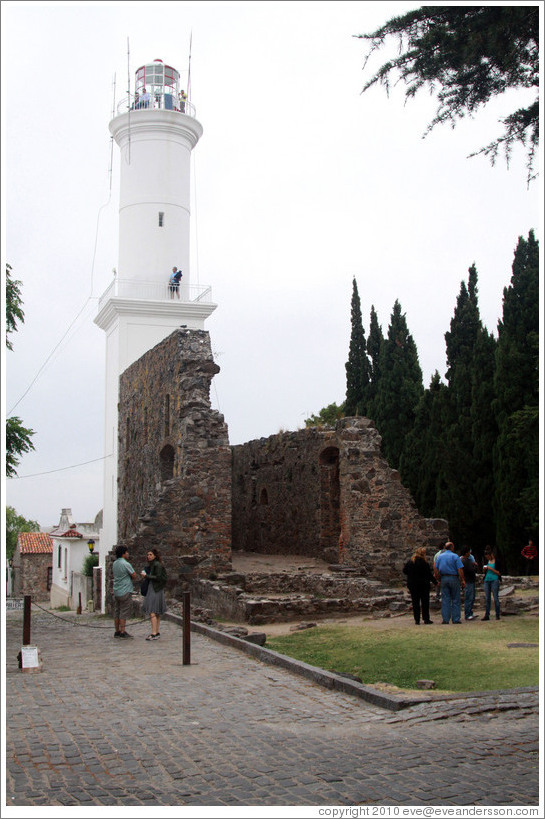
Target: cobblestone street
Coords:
[(124, 722)]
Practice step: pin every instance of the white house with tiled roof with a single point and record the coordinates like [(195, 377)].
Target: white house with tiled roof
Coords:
[(32, 566), (71, 544)]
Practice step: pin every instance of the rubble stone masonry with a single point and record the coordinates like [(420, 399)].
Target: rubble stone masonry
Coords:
[(328, 493), (174, 461)]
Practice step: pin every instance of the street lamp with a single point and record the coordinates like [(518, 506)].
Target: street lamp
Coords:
[(91, 545)]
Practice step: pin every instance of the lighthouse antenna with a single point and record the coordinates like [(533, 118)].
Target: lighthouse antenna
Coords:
[(189, 69), (129, 102), (112, 138)]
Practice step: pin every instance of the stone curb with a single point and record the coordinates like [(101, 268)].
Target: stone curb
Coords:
[(329, 679)]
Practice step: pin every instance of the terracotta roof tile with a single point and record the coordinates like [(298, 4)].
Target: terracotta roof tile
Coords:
[(69, 533), (38, 543)]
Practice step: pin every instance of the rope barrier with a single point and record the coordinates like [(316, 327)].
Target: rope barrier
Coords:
[(74, 622)]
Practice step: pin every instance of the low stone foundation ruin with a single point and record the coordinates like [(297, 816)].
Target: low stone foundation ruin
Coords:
[(265, 598), (259, 598)]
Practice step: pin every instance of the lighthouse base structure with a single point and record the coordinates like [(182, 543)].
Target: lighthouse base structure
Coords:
[(132, 327)]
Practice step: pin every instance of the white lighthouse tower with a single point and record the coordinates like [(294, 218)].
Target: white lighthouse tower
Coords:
[(156, 130)]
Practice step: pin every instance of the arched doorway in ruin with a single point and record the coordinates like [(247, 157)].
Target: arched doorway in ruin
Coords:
[(330, 495), (166, 459)]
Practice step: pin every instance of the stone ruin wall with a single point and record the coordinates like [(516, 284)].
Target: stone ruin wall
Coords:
[(174, 467), (322, 492), (328, 493)]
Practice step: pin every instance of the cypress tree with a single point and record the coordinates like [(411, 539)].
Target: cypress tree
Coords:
[(375, 341), (422, 452), (516, 454), (399, 387), (484, 431), (357, 366), (456, 491)]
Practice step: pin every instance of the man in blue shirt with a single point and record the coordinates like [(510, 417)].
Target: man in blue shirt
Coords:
[(449, 569), (124, 575)]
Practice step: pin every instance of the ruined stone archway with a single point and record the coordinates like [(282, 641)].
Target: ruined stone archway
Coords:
[(330, 494), (166, 458)]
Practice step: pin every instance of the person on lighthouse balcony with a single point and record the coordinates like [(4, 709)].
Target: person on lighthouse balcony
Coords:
[(144, 100), (174, 282)]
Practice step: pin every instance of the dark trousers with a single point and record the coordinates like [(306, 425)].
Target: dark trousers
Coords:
[(420, 596)]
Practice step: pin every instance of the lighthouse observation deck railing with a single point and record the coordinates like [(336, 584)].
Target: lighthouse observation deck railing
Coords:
[(155, 291), (165, 101)]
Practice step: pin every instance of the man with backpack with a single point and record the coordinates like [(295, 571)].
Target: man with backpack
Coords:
[(174, 282)]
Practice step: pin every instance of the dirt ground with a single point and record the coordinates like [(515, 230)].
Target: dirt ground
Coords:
[(247, 562)]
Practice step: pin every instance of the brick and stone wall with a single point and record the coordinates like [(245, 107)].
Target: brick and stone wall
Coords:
[(32, 575), (328, 493), (174, 465)]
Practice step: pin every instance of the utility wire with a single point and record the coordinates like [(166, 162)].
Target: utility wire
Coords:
[(49, 357), (61, 469), (88, 299)]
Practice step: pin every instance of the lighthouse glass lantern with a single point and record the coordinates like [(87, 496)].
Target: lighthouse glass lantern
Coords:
[(162, 82)]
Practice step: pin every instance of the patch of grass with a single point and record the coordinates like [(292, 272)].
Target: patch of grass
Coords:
[(473, 657)]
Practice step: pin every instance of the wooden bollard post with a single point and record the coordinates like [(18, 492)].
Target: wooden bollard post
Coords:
[(78, 610), (186, 628), (26, 619)]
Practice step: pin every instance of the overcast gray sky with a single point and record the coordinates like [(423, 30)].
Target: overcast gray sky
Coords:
[(300, 183)]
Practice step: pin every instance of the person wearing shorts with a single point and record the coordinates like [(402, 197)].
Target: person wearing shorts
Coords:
[(124, 575)]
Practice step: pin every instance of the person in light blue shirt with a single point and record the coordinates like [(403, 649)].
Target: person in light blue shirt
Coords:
[(145, 99), (449, 569), (124, 576)]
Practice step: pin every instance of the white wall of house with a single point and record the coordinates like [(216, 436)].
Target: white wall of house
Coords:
[(69, 554)]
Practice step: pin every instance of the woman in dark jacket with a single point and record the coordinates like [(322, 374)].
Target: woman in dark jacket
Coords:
[(154, 601), (419, 577)]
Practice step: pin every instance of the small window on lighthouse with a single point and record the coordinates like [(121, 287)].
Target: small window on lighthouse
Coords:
[(161, 219)]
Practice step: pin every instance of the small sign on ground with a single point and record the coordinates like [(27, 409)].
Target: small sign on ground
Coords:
[(29, 657)]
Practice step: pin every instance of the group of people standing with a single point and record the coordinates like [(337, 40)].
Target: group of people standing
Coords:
[(153, 578), (451, 573), (142, 99)]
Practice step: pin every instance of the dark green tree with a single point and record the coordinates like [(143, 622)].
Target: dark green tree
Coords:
[(14, 524), (375, 341), (420, 462), (516, 453), (468, 55), (456, 490), (357, 366), (484, 431), (18, 437), (17, 441), (399, 387), (14, 305)]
